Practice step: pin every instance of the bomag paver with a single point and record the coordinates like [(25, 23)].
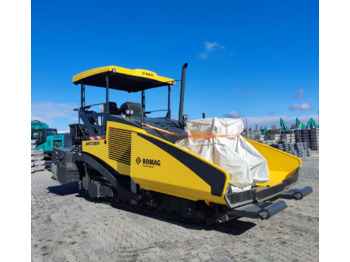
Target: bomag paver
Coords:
[(127, 156)]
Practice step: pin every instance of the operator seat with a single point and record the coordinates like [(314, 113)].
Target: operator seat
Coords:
[(135, 107), (113, 109)]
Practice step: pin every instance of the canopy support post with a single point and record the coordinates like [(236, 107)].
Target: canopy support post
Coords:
[(143, 107), (82, 90), (169, 110), (82, 99), (107, 94)]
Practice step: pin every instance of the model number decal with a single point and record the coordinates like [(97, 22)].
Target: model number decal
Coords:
[(92, 143)]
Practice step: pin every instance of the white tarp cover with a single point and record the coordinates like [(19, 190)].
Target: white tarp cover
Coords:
[(244, 164)]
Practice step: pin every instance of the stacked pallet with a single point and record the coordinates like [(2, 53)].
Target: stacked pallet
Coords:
[(288, 137), (253, 135), (37, 158), (250, 135), (259, 137), (268, 142), (286, 141), (298, 149), (298, 142), (275, 137)]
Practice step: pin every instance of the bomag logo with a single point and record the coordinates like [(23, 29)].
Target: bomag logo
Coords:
[(152, 162), (147, 74), (146, 162)]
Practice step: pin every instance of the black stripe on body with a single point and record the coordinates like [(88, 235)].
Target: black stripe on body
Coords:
[(212, 176)]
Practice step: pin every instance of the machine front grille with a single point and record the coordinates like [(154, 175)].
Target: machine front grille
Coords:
[(119, 145)]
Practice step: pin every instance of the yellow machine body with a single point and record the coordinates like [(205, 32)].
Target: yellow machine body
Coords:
[(281, 164), (130, 151), (126, 155)]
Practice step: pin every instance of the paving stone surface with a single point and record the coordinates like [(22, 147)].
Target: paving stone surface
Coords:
[(67, 227)]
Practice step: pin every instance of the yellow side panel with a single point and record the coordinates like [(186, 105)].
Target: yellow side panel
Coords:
[(100, 150), (97, 148), (161, 172), (281, 164), (154, 169), (121, 168)]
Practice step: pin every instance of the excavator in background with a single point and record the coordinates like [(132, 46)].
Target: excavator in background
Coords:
[(283, 125), (312, 124), (299, 124), (47, 138), (265, 132)]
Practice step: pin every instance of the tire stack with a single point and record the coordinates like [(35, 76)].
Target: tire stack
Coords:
[(281, 145), (269, 142), (314, 138), (288, 136), (298, 137), (305, 136), (273, 139), (284, 137), (301, 150), (277, 137), (290, 149), (37, 158), (308, 151), (292, 138)]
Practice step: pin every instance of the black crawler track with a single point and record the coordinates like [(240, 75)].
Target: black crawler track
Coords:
[(154, 212), (145, 210)]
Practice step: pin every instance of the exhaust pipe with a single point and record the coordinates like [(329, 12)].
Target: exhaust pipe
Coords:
[(182, 94)]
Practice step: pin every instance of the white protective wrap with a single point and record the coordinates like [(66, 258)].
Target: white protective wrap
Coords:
[(244, 164)]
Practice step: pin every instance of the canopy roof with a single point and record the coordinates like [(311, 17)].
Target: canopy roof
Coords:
[(131, 80)]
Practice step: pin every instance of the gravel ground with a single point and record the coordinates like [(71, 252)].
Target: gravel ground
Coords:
[(67, 227)]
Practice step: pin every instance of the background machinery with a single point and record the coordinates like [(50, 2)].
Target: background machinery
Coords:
[(265, 132), (124, 154), (312, 124), (283, 126), (47, 138), (299, 124)]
